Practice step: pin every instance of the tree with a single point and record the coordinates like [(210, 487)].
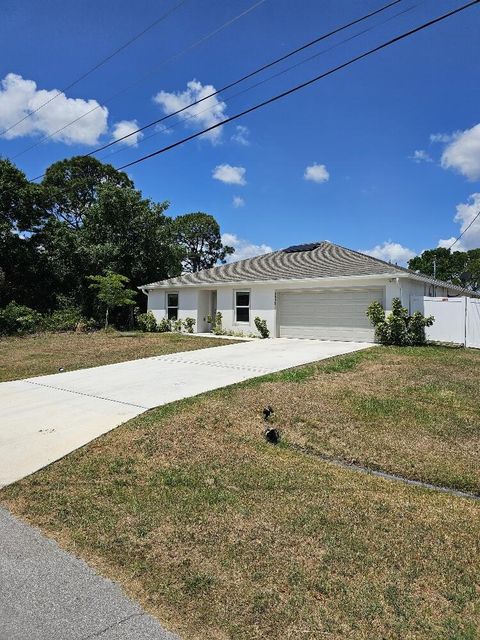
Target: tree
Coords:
[(198, 234), (120, 231), (71, 187), (461, 268), (128, 234), (19, 200), (112, 292), (20, 211)]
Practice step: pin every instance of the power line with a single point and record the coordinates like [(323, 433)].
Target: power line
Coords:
[(402, 36), (466, 228), (97, 65), (164, 62), (249, 88), (253, 73), (249, 75)]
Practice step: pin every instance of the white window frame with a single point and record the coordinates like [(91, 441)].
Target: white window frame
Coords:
[(242, 306), (168, 306)]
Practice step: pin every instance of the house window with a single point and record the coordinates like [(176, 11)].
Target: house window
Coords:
[(172, 306), (242, 306)]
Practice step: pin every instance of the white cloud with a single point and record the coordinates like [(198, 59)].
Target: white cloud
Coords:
[(316, 173), (238, 201), (241, 135), (420, 155), (123, 128), (19, 97), (463, 153), (206, 114), (391, 252), (466, 212), (229, 175), (243, 248), (441, 137)]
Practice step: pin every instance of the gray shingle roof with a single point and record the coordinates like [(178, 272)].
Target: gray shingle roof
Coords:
[(325, 260)]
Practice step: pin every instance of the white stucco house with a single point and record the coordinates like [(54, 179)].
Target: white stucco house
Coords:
[(319, 290)]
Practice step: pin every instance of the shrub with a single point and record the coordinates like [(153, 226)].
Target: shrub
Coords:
[(147, 322), (177, 325), (164, 325), (398, 328), (217, 327), (17, 318), (262, 327), (188, 324), (63, 320)]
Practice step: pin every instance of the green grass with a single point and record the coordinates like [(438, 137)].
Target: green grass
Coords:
[(221, 535)]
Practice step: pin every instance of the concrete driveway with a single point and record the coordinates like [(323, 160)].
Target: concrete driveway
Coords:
[(44, 418)]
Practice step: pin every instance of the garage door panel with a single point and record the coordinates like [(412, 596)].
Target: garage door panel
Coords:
[(329, 315)]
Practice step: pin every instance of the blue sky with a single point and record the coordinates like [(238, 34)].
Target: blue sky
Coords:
[(383, 156)]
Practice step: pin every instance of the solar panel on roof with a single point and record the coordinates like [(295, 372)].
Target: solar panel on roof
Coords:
[(302, 247)]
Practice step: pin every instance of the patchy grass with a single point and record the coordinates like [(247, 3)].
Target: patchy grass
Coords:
[(44, 353), (223, 536)]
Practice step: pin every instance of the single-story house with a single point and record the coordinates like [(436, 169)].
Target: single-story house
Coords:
[(319, 290)]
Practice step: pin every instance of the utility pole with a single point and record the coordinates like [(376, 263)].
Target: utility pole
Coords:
[(435, 267)]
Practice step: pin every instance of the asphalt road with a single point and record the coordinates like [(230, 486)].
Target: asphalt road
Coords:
[(48, 594)]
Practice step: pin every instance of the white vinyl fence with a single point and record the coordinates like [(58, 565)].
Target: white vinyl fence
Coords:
[(457, 320)]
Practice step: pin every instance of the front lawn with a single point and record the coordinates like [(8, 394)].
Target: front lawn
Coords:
[(224, 536), (44, 353)]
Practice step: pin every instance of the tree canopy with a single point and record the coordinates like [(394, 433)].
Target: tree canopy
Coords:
[(461, 268), (198, 235), (86, 218)]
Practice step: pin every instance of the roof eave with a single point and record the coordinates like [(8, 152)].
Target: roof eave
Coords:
[(440, 283)]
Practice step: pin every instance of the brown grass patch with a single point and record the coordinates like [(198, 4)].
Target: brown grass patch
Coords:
[(223, 536), (45, 353)]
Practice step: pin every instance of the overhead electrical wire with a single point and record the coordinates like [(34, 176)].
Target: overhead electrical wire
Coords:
[(97, 65), (164, 62), (465, 230), (249, 75), (302, 85), (255, 72), (238, 93)]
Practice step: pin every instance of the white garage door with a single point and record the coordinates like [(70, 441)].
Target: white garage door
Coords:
[(327, 314)]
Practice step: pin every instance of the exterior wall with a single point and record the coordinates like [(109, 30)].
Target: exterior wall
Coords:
[(157, 302), (262, 303), (195, 302), (187, 303)]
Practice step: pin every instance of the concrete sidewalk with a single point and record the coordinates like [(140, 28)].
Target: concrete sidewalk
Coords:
[(44, 418), (47, 594)]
